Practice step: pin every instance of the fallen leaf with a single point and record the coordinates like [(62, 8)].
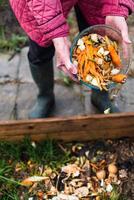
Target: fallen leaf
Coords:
[(33, 144), (48, 171), (82, 192), (18, 167), (76, 182), (53, 191), (97, 198), (71, 169), (40, 194), (65, 197), (32, 187), (32, 179), (30, 198), (109, 188), (123, 174)]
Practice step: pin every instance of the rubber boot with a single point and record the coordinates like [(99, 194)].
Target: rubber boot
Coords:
[(101, 100), (44, 79)]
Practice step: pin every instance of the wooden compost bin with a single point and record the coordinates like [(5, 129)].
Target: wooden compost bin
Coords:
[(77, 128)]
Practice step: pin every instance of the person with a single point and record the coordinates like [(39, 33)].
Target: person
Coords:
[(44, 21)]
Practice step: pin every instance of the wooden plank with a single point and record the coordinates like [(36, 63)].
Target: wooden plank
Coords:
[(79, 128)]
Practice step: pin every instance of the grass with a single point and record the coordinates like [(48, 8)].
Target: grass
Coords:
[(46, 153), (115, 195), (14, 43), (10, 40), (3, 3)]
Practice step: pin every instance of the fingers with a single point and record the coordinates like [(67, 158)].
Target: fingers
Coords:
[(70, 67), (124, 32), (67, 72), (126, 39), (62, 46), (66, 62), (120, 23)]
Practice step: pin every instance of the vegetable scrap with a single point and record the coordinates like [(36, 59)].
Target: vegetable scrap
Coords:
[(95, 170), (98, 61), (77, 181), (81, 179), (33, 179)]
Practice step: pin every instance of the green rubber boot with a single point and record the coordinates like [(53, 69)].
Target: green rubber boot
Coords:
[(44, 79), (101, 100)]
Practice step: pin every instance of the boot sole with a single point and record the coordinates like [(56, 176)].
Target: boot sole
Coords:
[(47, 114)]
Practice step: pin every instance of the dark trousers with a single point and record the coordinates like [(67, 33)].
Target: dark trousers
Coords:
[(39, 55)]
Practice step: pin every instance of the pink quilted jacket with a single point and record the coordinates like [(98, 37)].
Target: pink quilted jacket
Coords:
[(44, 20)]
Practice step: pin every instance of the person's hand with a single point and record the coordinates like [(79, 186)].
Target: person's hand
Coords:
[(62, 47), (119, 23)]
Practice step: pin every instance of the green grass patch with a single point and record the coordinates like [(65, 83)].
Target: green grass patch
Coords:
[(3, 3), (14, 43), (46, 153)]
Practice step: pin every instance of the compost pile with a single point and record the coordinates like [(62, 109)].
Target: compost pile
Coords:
[(98, 170)]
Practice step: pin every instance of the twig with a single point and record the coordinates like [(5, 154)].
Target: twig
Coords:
[(62, 148)]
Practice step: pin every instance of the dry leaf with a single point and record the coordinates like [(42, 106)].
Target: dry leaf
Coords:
[(76, 182), (33, 144), (18, 167), (109, 188), (48, 171), (40, 194), (66, 189), (98, 198), (53, 191), (82, 192), (32, 179), (32, 187), (123, 174), (65, 197), (71, 169), (30, 198)]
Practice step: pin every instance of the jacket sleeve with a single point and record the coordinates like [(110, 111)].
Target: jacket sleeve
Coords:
[(50, 19), (117, 7)]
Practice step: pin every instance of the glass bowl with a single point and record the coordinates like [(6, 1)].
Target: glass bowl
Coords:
[(125, 49)]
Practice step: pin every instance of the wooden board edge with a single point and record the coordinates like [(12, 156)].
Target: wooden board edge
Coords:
[(77, 117), (76, 128)]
